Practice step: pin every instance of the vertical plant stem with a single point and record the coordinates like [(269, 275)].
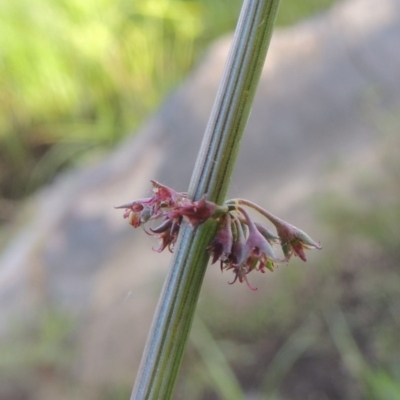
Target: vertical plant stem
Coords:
[(174, 315)]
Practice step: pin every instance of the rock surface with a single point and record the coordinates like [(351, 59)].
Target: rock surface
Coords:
[(326, 86)]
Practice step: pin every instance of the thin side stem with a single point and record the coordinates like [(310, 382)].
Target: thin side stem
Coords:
[(174, 315), (271, 217)]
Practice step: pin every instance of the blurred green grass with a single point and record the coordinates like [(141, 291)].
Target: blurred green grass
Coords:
[(75, 77)]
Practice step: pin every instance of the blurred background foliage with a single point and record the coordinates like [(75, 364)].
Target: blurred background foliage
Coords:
[(76, 76)]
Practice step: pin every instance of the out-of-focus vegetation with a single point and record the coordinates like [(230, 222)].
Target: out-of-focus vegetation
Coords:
[(40, 351), (76, 76)]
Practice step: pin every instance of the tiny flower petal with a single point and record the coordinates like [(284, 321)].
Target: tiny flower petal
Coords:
[(221, 246), (241, 274), (166, 225), (258, 245), (196, 212), (294, 240), (135, 205), (167, 233), (165, 195), (272, 238), (239, 249)]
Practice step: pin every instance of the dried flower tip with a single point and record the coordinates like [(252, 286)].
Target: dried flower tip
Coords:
[(167, 233), (165, 195), (294, 240), (135, 205), (241, 274)]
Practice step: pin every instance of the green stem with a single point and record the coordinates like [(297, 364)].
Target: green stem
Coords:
[(174, 315)]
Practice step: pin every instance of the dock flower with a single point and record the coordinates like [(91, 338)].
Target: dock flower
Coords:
[(260, 252), (237, 260), (221, 246), (140, 211), (196, 212), (167, 233), (240, 244), (294, 240)]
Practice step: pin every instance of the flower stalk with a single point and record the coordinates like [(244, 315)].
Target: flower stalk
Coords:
[(209, 184)]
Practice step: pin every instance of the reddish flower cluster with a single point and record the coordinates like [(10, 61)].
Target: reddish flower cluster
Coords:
[(171, 207), (240, 244), (243, 246)]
